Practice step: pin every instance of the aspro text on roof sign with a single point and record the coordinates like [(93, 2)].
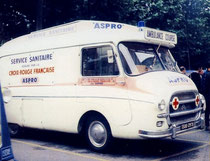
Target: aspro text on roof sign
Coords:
[(107, 26)]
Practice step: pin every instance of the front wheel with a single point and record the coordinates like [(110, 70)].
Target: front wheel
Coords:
[(98, 134)]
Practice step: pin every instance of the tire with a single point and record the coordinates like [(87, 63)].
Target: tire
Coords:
[(98, 134), (14, 130)]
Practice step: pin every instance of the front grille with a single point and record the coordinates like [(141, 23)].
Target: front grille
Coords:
[(183, 107), (186, 103), (184, 118), (184, 95)]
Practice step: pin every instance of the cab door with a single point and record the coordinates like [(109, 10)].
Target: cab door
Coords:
[(102, 85)]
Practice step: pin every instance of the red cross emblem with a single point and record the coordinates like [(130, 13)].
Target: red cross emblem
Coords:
[(197, 100), (175, 103)]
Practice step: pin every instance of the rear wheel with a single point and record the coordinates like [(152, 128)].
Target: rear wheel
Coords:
[(98, 134), (14, 130)]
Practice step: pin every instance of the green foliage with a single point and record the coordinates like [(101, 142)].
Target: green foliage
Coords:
[(13, 23), (189, 19), (194, 34)]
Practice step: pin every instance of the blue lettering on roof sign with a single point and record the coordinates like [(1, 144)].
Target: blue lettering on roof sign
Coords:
[(161, 35), (170, 37), (154, 34), (107, 26)]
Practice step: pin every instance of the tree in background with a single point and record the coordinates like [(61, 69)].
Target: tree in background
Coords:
[(194, 36), (13, 22), (188, 18)]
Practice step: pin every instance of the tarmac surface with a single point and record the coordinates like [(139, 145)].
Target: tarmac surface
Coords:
[(37, 145)]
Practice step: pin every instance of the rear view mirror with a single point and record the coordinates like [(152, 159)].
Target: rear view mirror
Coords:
[(110, 56)]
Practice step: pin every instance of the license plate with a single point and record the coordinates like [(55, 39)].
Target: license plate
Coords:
[(187, 125)]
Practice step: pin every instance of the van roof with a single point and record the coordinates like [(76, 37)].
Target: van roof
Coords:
[(86, 32)]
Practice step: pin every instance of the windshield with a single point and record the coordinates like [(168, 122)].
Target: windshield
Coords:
[(138, 58), (167, 59)]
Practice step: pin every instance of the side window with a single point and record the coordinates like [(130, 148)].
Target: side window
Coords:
[(99, 61)]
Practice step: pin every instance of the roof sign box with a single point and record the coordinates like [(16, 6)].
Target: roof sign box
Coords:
[(158, 35)]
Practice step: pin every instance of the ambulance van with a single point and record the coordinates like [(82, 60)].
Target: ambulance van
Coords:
[(101, 79)]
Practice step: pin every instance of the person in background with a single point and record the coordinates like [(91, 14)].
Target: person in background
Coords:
[(196, 77), (205, 89), (183, 70), (200, 71)]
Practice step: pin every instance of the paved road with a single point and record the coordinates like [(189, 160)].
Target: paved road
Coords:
[(38, 145)]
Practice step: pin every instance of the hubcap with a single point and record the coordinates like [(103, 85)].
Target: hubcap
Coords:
[(97, 134), (13, 129)]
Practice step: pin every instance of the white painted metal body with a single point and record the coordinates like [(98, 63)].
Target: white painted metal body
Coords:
[(42, 71)]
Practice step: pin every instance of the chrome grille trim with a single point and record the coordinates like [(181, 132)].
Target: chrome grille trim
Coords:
[(185, 101), (187, 111), (165, 115)]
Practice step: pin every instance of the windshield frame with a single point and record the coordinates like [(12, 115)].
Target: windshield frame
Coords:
[(154, 47)]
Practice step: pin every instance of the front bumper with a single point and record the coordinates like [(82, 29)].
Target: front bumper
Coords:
[(173, 131)]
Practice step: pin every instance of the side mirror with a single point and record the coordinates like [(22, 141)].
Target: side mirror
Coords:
[(110, 56)]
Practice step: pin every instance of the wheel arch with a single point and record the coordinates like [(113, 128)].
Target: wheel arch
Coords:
[(84, 118)]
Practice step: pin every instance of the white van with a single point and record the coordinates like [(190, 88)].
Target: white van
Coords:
[(100, 79)]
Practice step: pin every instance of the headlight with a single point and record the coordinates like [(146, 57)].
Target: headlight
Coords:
[(6, 95), (203, 101), (162, 105)]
